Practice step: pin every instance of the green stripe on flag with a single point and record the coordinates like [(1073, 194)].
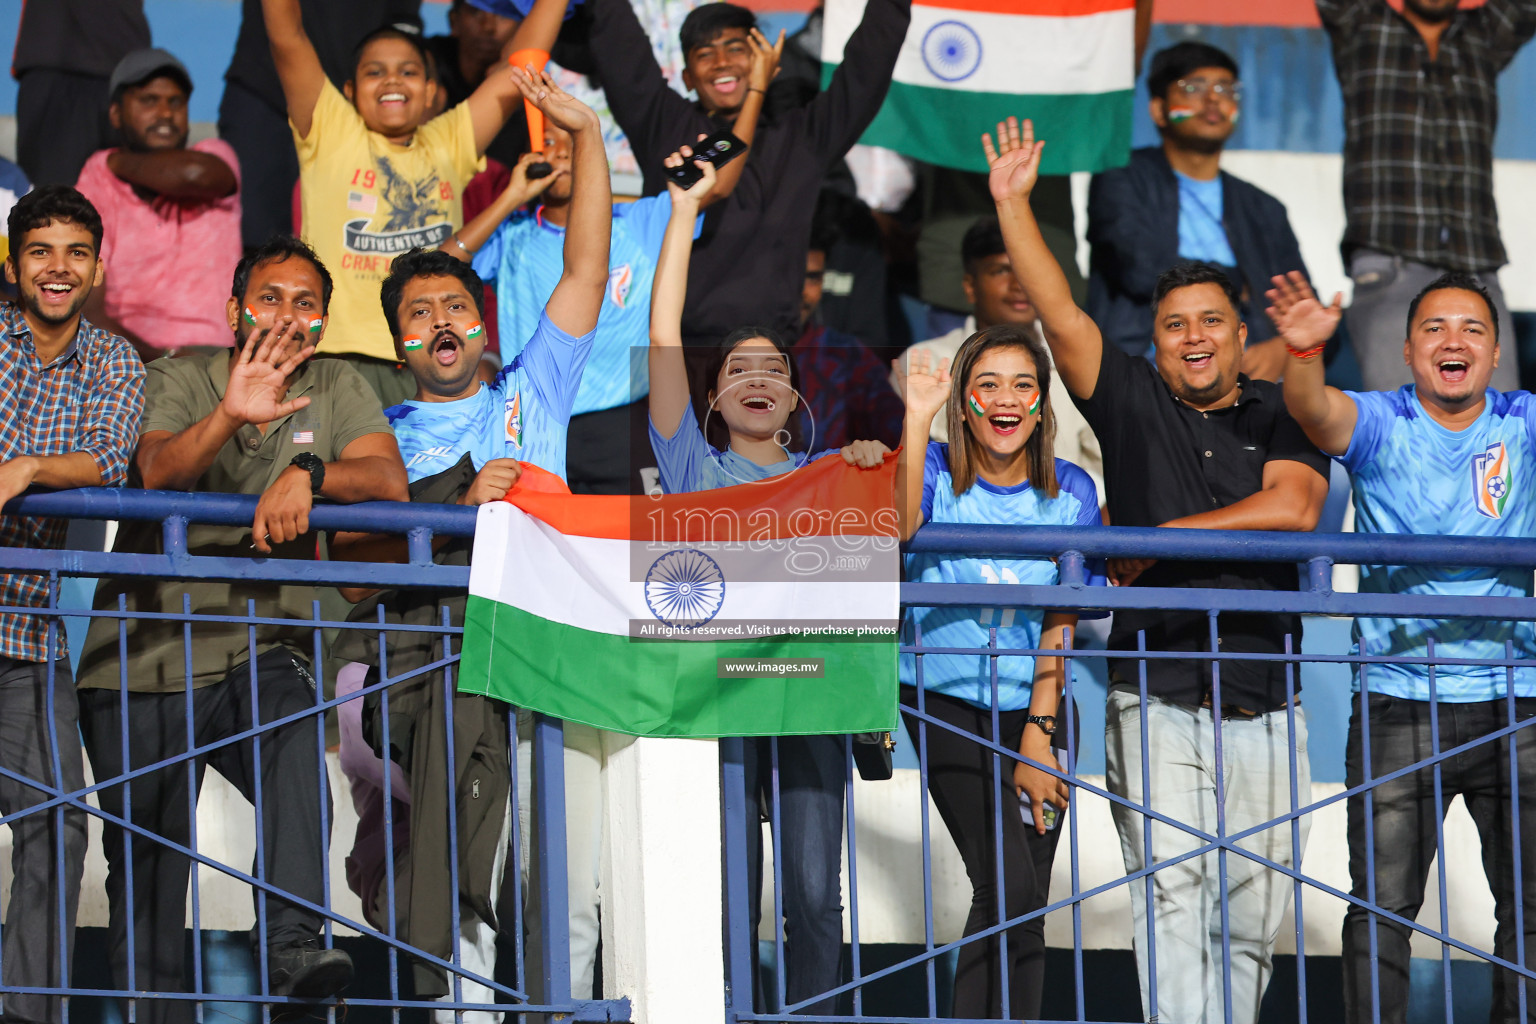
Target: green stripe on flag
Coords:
[(1084, 132), (670, 688)]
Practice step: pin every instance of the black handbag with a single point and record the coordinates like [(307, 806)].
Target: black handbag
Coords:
[(872, 755)]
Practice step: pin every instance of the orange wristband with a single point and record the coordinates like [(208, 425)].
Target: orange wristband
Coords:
[(1311, 353)]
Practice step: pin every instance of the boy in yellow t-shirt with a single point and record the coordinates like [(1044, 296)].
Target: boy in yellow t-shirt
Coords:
[(378, 178)]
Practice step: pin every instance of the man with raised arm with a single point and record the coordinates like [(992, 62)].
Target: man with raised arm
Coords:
[(260, 419), (465, 442), (1448, 456), (750, 258), (1189, 442), (74, 395), (379, 178)]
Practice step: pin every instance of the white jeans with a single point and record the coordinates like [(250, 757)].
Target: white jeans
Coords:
[(583, 850), (1187, 896)]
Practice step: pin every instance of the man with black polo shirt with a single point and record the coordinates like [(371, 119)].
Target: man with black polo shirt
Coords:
[(1188, 442)]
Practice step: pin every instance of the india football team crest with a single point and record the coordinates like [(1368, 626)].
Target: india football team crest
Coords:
[(1492, 480), (619, 280), (515, 421)]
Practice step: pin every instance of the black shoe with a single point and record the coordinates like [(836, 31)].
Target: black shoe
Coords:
[(305, 971)]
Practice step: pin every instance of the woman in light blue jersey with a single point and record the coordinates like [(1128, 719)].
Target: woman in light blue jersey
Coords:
[(753, 396), (750, 405), (997, 468)]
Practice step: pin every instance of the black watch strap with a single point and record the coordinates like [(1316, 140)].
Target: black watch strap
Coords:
[(1047, 723), (312, 464)]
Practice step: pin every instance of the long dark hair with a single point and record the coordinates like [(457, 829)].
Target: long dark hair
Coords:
[(1040, 449), (715, 430)]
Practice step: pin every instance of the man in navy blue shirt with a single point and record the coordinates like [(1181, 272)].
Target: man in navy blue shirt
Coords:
[(1173, 202)]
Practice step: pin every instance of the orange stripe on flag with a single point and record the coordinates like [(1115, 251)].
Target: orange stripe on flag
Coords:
[(1035, 8), (826, 498)]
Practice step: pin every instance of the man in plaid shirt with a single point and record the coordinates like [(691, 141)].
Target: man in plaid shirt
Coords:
[(1420, 108), (76, 393)]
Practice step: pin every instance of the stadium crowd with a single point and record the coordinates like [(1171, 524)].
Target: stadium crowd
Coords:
[(431, 286)]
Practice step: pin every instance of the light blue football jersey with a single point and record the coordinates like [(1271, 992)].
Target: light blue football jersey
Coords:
[(523, 414), (687, 462), (1411, 475), (524, 258), (968, 677)]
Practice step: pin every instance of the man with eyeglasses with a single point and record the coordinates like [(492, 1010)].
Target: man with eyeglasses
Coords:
[(1421, 104), (1173, 202)]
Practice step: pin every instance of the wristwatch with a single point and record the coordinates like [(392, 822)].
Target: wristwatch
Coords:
[(312, 464), (1047, 723)]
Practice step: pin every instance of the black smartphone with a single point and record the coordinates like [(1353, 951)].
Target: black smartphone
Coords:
[(719, 149)]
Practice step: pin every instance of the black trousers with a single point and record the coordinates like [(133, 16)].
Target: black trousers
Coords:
[(813, 775), (269, 165), (292, 789), (61, 119), (1403, 818), (33, 941), (972, 798)]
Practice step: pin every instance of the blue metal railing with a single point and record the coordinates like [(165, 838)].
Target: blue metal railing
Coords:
[(420, 524), (1317, 553)]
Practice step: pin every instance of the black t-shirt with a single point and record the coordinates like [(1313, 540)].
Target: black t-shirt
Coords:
[(87, 37), (335, 27), (1164, 460)]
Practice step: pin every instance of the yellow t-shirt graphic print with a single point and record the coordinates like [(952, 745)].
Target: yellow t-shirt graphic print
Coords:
[(366, 200)]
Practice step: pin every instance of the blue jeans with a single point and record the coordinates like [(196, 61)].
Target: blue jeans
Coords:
[(812, 777), (1403, 819)]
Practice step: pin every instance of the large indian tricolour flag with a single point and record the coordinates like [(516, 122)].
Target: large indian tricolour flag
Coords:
[(967, 64), (763, 609)]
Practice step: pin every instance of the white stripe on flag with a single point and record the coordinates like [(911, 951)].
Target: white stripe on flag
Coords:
[(586, 581), (1017, 54)]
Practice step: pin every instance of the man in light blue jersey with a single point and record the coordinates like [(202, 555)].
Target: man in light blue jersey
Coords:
[(1445, 455), (464, 441), (518, 250)]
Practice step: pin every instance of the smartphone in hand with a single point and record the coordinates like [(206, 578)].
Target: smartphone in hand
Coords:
[(719, 149)]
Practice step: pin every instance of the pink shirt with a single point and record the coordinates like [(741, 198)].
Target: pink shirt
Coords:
[(168, 262)]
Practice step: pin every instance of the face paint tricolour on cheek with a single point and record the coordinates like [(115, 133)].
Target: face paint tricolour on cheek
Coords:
[(1034, 407), (411, 342), (316, 325), (1177, 114), (248, 315), (976, 404), (476, 329)]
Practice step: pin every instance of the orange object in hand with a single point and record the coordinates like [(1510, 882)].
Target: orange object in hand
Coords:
[(538, 58)]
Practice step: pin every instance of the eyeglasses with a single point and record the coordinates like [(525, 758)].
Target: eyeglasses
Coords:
[(1197, 88)]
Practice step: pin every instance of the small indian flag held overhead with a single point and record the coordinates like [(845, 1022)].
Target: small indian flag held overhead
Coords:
[(968, 64), (764, 609)]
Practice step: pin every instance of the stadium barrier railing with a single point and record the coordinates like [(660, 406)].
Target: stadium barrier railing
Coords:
[(535, 987), (870, 993)]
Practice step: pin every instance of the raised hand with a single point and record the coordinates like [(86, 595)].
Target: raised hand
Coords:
[(924, 384), (765, 59), (259, 377), (696, 192), (1014, 160), (562, 109), (1302, 320)]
